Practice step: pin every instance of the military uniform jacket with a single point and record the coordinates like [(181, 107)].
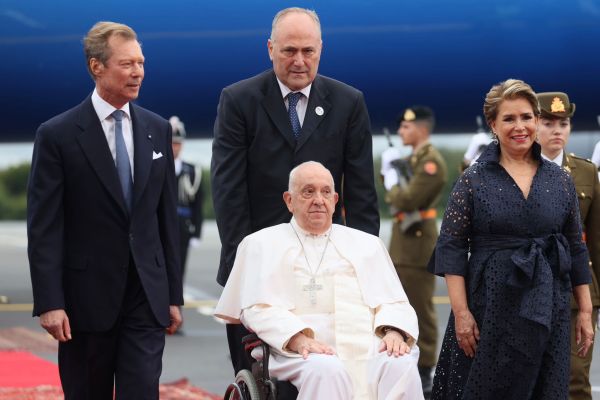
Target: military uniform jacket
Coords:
[(585, 178), (414, 247), (189, 199)]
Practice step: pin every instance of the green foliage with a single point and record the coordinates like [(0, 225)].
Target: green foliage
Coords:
[(13, 188), (13, 192)]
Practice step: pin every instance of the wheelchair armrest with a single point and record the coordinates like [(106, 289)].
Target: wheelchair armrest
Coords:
[(250, 342)]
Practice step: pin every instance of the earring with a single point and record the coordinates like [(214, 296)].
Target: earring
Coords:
[(494, 137)]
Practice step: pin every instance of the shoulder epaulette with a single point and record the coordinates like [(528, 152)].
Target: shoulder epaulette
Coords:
[(580, 158)]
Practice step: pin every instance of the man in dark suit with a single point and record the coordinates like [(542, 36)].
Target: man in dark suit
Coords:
[(268, 124), (103, 248)]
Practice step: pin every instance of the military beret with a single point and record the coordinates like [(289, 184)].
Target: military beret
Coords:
[(178, 129), (416, 113), (555, 105)]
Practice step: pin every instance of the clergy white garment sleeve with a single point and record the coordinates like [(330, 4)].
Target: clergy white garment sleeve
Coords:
[(274, 325), (395, 315)]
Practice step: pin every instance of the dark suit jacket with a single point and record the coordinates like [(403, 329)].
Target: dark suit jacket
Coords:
[(254, 150), (81, 238)]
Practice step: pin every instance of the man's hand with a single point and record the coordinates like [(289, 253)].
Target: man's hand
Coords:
[(390, 179), (56, 323), (176, 319), (303, 345), (394, 343)]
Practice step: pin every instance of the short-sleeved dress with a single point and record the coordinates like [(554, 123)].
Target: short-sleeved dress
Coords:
[(520, 257)]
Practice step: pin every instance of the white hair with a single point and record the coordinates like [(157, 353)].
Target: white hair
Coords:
[(294, 172)]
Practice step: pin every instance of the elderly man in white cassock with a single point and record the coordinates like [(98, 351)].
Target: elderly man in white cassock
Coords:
[(327, 300)]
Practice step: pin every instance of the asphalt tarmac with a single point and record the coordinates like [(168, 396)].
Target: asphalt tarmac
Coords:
[(200, 353)]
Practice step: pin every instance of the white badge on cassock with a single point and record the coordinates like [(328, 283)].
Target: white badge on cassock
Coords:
[(314, 295)]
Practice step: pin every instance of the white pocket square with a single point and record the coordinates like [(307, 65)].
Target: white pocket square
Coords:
[(156, 155)]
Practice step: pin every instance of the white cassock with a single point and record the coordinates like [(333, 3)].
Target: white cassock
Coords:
[(355, 292)]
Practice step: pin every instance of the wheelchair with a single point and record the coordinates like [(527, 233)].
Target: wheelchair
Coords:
[(256, 384)]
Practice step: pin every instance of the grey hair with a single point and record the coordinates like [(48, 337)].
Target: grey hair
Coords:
[(311, 13), (95, 43), (294, 172)]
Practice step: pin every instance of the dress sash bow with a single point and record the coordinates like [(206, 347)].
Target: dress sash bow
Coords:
[(536, 262)]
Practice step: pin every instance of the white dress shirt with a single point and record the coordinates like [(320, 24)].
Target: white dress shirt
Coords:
[(302, 103), (558, 160), (104, 111)]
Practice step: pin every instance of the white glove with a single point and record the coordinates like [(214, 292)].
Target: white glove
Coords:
[(194, 242), (387, 157), (390, 179)]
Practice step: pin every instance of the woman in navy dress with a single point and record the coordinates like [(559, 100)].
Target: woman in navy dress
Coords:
[(511, 252)]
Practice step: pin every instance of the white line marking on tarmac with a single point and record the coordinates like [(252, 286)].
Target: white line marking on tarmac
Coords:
[(191, 293), (203, 302)]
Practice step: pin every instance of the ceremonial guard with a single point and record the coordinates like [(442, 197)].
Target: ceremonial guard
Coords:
[(414, 185), (553, 135), (189, 194)]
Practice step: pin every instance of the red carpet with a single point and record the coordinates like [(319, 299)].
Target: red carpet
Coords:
[(23, 369), (25, 376)]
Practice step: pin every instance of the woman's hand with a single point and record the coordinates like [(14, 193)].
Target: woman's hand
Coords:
[(467, 332), (584, 332)]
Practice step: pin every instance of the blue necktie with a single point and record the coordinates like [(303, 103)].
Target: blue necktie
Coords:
[(123, 165), (293, 113)]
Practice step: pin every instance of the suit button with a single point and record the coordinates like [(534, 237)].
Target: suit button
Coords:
[(131, 237), (419, 233)]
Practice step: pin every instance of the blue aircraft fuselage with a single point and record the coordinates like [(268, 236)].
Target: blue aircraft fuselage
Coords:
[(445, 54)]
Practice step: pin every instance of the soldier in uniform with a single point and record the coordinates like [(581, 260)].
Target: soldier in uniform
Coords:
[(413, 189), (553, 135), (189, 194)]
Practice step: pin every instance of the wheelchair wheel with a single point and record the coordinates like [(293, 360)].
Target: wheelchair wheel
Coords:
[(244, 387)]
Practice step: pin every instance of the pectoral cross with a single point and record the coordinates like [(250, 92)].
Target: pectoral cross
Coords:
[(312, 288)]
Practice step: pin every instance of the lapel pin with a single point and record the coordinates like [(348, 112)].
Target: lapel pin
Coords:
[(149, 136), (319, 110)]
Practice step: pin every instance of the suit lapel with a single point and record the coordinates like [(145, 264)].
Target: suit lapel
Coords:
[(142, 160), (317, 110), (95, 147), (275, 107)]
